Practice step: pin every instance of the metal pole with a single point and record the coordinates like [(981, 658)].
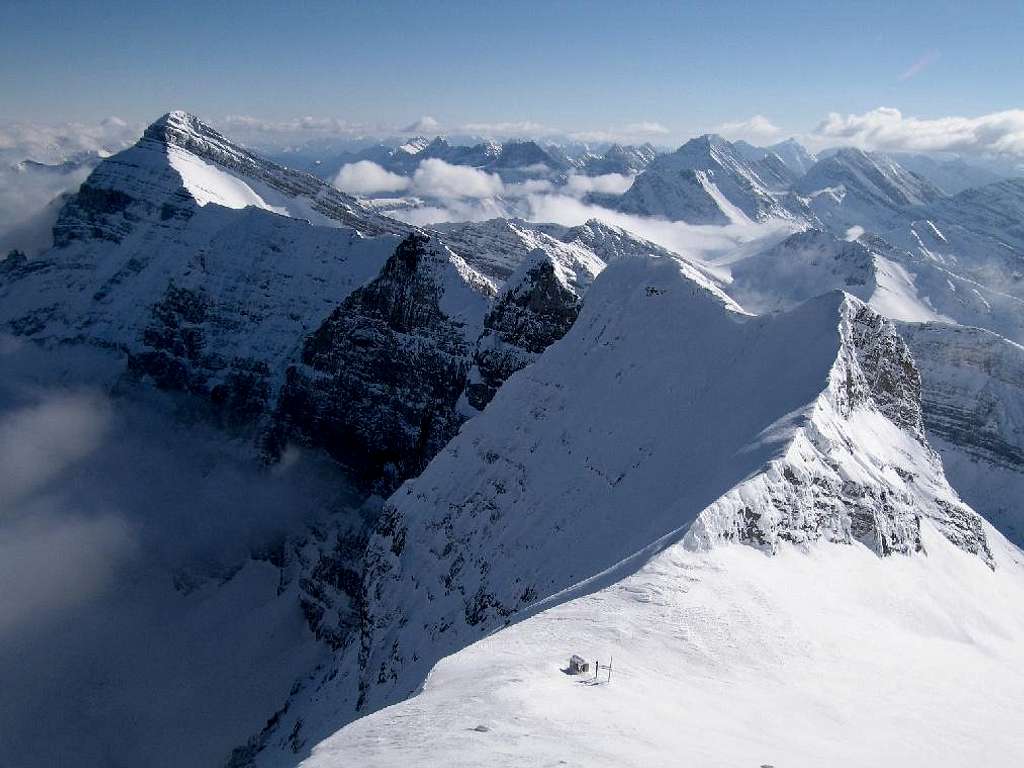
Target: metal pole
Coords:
[(610, 660)]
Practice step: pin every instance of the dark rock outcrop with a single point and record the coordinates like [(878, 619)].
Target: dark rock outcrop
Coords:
[(536, 310), (379, 380)]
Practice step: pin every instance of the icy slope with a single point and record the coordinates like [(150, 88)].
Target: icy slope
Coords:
[(822, 655), (713, 425)]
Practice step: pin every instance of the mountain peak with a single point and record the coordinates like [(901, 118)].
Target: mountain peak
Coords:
[(708, 140), (177, 122)]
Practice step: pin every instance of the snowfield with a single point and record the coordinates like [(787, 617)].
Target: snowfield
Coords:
[(821, 655)]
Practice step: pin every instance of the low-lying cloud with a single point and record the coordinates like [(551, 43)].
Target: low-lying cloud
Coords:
[(68, 152), (56, 142), (433, 178), (93, 489), (704, 242), (368, 178), (578, 185), (436, 178)]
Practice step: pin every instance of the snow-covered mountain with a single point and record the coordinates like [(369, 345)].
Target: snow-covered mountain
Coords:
[(851, 188), (620, 158), (705, 181), (976, 233), (197, 263), (951, 175), (900, 284), (794, 155), (536, 501)]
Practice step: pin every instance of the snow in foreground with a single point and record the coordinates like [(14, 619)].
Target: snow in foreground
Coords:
[(827, 655)]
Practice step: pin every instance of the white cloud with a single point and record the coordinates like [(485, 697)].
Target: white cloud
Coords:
[(579, 185), (885, 128), (368, 178), (755, 129), (425, 124), (920, 65), (436, 178), (703, 242), (40, 441)]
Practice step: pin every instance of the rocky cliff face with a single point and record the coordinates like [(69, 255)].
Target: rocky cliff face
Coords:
[(973, 401), (380, 382), (537, 309), (380, 378)]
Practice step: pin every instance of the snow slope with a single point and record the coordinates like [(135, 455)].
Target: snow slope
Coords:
[(822, 655)]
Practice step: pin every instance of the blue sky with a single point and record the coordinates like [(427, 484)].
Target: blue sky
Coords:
[(570, 65)]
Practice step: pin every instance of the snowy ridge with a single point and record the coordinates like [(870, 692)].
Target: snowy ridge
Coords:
[(725, 658), (834, 452), (860, 469)]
